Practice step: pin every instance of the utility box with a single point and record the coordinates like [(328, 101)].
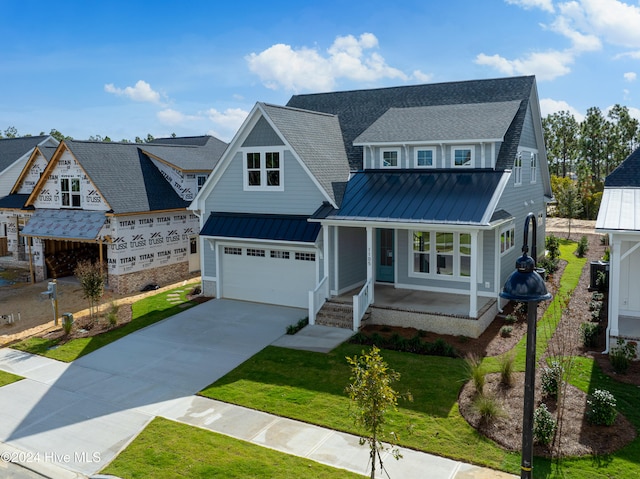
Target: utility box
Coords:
[(599, 276)]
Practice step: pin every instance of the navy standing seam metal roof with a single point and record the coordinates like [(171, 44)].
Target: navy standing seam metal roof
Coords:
[(438, 196), (261, 226)]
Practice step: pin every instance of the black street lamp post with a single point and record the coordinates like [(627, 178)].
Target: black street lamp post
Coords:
[(526, 285)]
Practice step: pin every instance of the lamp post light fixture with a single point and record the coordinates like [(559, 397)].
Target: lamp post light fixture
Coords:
[(526, 285)]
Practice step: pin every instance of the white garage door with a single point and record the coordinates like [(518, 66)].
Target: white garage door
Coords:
[(268, 275)]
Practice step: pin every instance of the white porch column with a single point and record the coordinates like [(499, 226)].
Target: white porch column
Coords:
[(370, 262), (325, 246), (473, 276), (614, 288)]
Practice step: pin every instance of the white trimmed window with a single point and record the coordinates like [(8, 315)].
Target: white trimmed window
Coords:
[(231, 250), (462, 157), (202, 179), (306, 256), (424, 157), (517, 170), (70, 192), (534, 167), (441, 253), (507, 239), (279, 254), (263, 170), (255, 252), (390, 158)]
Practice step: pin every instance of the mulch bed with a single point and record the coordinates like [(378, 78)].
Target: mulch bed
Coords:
[(577, 437)]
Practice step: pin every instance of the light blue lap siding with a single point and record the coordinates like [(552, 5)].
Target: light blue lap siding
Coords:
[(528, 138), (209, 266), (352, 256), (301, 196)]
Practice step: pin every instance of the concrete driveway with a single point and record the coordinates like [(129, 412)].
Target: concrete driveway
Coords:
[(75, 418)]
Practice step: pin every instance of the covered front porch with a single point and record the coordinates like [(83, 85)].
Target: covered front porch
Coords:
[(443, 313)]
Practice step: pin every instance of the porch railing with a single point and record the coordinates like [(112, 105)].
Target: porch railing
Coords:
[(317, 298), (361, 302)]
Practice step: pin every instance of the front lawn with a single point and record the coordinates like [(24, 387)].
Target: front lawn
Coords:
[(310, 386), (167, 449), (145, 312)]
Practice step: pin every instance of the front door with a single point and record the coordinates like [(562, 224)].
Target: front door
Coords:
[(384, 264)]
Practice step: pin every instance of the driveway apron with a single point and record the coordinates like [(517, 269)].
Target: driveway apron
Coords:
[(79, 416)]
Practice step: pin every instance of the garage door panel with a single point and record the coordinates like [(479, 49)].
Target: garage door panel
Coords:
[(263, 279)]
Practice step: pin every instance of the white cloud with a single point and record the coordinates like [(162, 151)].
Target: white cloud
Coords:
[(282, 66), (580, 42), (418, 76), (169, 116), (549, 106), (142, 92), (630, 76), (231, 117), (545, 65), (546, 5), (614, 21)]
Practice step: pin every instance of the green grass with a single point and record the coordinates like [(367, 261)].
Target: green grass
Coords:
[(145, 312), (8, 378), (167, 449), (310, 387)]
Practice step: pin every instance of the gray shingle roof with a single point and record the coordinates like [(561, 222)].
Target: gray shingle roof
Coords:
[(126, 177), (358, 109), (317, 139), (627, 173), (11, 149), (195, 154), (476, 121)]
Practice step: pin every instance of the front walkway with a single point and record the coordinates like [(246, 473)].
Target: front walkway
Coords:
[(63, 414)]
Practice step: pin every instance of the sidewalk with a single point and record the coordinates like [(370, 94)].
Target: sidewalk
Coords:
[(319, 444)]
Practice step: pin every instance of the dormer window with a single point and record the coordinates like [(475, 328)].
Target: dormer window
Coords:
[(462, 157), (70, 192), (534, 167), (424, 157), (391, 158), (263, 170)]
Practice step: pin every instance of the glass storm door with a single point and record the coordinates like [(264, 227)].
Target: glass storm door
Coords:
[(384, 247)]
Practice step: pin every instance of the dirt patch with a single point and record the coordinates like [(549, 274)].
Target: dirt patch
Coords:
[(25, 301)]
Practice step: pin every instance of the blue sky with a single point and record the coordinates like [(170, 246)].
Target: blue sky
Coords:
[(128, 68)]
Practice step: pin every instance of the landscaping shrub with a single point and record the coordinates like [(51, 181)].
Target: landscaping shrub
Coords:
[(596, 315), (112, 314), (488, 408), (583, 247), (67, 324), (551, 378), (602, 408), (589, 333), (549, 265), (505, 331), (510, 319), (294, 328), (552, 245), (621, 355), (606, 255), (597, 296), (544, 425), (475, 372), (414, 345), (506, 369)]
